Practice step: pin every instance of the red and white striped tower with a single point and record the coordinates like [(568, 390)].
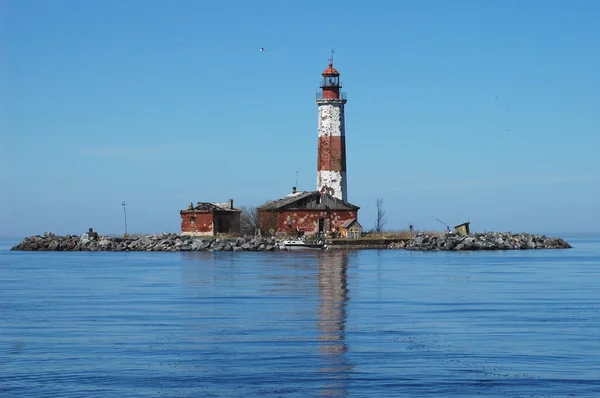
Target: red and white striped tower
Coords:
[(331, 159)]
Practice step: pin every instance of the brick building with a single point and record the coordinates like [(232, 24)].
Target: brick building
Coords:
[(208, 219), (305, 212)]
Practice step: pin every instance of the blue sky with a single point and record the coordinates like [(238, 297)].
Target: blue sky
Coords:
[(478, 110)]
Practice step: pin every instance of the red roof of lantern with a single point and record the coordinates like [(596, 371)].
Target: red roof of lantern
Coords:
[(330, 71)]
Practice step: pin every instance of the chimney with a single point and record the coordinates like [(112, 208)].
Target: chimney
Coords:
[(230, 203), (293, 189)]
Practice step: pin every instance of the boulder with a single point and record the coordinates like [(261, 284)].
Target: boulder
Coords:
[(197, 244), (54, 245), (85, 237)]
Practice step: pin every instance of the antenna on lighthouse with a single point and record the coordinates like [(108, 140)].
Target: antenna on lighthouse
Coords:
[(332, 52)]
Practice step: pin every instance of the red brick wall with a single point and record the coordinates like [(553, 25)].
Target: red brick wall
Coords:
[(304, 220), (202, 226), (331, 153), (331, 92)]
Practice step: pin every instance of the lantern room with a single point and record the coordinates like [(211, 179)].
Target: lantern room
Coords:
[(330, 84)]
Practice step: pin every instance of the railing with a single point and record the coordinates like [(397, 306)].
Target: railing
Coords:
[(326, 85), (320, 95)]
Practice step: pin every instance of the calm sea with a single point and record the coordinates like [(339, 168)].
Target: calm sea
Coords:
[(358, 323)]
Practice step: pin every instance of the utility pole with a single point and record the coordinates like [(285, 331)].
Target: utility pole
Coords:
[(125, 213)]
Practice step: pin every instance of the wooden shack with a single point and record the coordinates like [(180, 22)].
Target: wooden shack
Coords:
[(351, 229), (462, 229)]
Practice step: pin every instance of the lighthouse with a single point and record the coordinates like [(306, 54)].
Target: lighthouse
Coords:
[(325, 210), (331, 158)]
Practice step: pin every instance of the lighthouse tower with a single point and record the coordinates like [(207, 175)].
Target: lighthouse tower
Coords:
[(331, 159)]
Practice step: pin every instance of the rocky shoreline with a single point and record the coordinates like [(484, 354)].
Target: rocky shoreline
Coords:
[(169, 242), (165, 242), (486, 241)]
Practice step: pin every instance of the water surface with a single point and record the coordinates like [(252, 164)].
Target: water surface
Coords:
[(342, 323)]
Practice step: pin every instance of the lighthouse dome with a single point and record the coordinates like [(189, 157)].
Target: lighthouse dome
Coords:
[(330, 71)]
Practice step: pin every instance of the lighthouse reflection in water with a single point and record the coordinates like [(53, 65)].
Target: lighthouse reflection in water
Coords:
[(331, 320)]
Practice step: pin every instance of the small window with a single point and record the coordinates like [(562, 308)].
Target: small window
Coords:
[(193, 220)]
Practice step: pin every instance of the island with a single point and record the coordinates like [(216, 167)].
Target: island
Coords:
[(171, 242)]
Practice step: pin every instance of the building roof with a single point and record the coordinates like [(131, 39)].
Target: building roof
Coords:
[(287, 200), (460, 225), (349, 223), (308, 200), (210, 206), (330, 71)]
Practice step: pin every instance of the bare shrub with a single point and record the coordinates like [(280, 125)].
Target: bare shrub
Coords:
[(249, 220), (381, 219)]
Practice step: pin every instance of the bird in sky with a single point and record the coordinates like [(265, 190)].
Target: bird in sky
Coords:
[(262, 49)]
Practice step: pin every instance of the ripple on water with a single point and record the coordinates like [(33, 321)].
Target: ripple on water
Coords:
[(362, 323)]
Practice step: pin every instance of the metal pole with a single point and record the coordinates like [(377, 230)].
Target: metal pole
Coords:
[(125, 213)]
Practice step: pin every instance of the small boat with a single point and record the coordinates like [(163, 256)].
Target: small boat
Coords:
[(299, 244)]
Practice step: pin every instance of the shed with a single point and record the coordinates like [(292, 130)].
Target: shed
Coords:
[(462, 229), (351, 229)]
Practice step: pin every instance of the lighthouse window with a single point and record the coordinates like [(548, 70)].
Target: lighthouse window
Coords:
[(329, 81)]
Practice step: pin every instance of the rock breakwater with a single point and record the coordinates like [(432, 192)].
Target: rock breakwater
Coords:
[(486, 241), (169, 242), (165, 242)]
